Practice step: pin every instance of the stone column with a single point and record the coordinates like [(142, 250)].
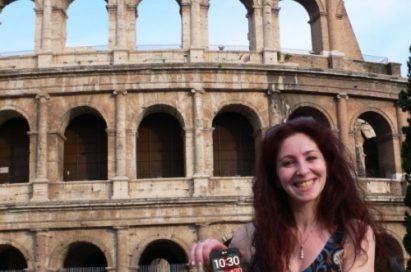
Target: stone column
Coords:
[(270, 52), (41, 250), (185, 24), (123, 257), (199, 178), (120, 31), (120, 181), (44, 32), (255, 23), (40, 184), (342, 117), (196, 51), (277, 106), (398, 143)]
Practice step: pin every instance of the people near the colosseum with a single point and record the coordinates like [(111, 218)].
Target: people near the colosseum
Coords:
[(309, 214)]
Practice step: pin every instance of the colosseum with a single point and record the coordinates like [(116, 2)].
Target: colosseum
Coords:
[(119, 159)]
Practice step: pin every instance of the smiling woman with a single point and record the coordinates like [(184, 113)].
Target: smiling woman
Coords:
[(17, 34)]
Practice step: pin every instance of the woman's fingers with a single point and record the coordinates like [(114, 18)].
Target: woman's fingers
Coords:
[(200, 251)]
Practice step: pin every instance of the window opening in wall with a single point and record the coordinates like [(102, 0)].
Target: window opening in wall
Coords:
[(85, 149), (84, 257), (374, 146), (14, 151), (17, 24), (160, 147), (227, 25), (233, 145), (87, 24), (295, 31), (11, 259), (163, 255), (158, 25), (310, 112)]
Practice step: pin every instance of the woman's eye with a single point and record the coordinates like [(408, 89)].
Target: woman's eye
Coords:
[(286, 163), (311, 158)]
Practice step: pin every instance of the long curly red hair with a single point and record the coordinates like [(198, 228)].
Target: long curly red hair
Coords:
[(341, 202)]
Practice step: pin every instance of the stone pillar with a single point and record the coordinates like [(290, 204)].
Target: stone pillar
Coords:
[(120, 181), (269, 54), (43, 40), (398, 143), (277, 106), (255, 22), (41, 250), (123, 257), (199, 178), (342, 117), (121, 34), (40, 183), (185, 24), (196, 51)]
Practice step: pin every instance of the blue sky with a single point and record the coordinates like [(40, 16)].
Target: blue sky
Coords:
[(383, 28)]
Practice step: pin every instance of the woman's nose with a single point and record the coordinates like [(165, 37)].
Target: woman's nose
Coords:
[(302, 169)]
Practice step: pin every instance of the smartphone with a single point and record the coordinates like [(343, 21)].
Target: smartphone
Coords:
[(226, 260)]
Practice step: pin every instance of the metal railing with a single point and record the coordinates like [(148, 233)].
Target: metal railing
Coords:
[(211, 47), (168, 268), (83, 269)]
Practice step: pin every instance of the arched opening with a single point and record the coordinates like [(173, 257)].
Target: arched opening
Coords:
[(295, 33), (395, 253), (17, 34), (163, 255), (374, 146), (84, 257), (87, 23), (11, 259), (233, 145), (310, 112), (14, 151), (85, 149), (228, 30), (160, 147), (151, 19)]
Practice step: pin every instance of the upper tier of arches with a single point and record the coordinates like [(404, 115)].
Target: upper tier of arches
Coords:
[(329, 25)]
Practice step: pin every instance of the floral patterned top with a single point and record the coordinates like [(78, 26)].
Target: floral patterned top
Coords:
[(331, 257)]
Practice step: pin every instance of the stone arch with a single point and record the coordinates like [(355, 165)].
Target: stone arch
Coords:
[(394, 248), (236, 129), (160, 144), (245, 109), (14, 147), (373, 135), (85, 146), (312, 110), (59, 252), (8, 113), (164, 107), (75, 111), (21, 249), (149, 247)]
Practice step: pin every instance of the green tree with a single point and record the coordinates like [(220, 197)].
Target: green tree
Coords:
[(404, 102)]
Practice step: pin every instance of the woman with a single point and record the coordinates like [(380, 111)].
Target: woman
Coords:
[(309, 213)]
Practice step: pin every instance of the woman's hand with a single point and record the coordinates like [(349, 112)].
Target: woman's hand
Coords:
[(200, 251)]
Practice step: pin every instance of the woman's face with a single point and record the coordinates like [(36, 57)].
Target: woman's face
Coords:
[(301, 169)]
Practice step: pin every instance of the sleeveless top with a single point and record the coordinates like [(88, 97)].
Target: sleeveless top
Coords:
[(330, 258)]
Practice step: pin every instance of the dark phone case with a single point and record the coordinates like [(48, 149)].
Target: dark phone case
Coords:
[(222, 253)]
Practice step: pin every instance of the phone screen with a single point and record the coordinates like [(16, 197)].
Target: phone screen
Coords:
[(226, 260)]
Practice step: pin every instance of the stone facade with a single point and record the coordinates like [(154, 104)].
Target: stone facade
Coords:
[(132, 221)]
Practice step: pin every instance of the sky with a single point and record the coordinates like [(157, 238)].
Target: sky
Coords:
[(383, 28)]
